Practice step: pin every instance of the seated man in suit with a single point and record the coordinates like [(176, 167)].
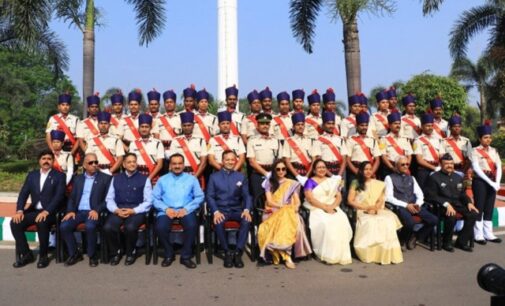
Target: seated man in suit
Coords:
[(177, 195), (46, 187), (446, 189), (403, 191), (128, 199), (229, 200), (84, 205)]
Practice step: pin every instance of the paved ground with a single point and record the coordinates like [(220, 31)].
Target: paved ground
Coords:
[(425, 278)]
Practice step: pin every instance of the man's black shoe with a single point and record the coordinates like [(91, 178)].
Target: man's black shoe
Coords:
[(115, 260), (93, 261), (188, 263), (481, 242), (448, 247), (72, 260), (43, 262), (167, 262), (237, 260), (411, 244), (496, 240), (464, 247), (130, 260), (23, 260), (228, 259)]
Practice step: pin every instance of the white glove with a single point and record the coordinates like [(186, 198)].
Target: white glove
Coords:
[(437, 168), (336, 177), (267, 177), (301, 179), (496, 186), (269, 174), (106, 171)]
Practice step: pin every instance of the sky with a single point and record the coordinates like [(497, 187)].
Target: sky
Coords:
[(393, 47)]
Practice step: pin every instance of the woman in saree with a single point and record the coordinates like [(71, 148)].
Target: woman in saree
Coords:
[(375, 238), (282, 226), (330, 229)]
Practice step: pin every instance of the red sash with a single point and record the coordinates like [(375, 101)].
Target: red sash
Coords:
[(303, 159), (412, 124), (351, 120), (382, 120), (222, 143), (395, 146), (203, 128), (489, 160), (439, 130), (56, 165), (332, 147), (132, 128), (114, 121), (455, 148), (91, 127), (234, 129), (314, 124), (433, 153), (104, 150), (187, 153), (145, 156), (253, 119), (364, 148), (282, 126), (336, 131), (167, 126), (65, 128)]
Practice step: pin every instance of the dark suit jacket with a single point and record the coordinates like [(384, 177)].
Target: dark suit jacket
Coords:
[(97, 196), (51, 196), (441, 188), (228, 192)]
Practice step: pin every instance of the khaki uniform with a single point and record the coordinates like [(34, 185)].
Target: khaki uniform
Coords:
[(286, 120), (115, 125), (388, 149), (237, 118), (233, 142), (64, 162), (464, 146), (476, 156), (310, 130), (407, 130), (443, 126), (71, 122), (378, 126), (356, 152), (83, 131), (153, 148), (348, 126), (209, 121), (196, 146), (265, 150), (420, 148), (174, 121), (111, 143), (249, 126)]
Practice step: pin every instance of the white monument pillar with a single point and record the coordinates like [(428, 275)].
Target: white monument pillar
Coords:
[(227, 47)]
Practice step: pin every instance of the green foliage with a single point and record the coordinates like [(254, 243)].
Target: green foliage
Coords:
[(11, 182), (18, 166), (471, 119), (499, 143), (426, 87)]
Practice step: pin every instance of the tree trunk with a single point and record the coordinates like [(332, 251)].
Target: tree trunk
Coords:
[(483, 104), (352, 57), (88, 65)]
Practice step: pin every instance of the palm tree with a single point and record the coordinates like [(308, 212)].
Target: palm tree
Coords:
[(303, 15), (150, 16), (477, 75), (430, 6)]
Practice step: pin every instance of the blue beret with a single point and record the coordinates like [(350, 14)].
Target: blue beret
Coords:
[(455, 119), (265, 94), (93, 100), (202, 94), (253, 95), (436, 103), (189, 92), (135, 95), (426, 118), (64, 98), (231, 91), (298, 94), (169, 94), (446, 156), (117, 98), (224, 116), (153, 95), (391, 92), (381, 95), (328, 116), (484, 130), (408, 99), (314, 97), (394, 116), (363, 100), (103, 116), (297, 117), (362, 117), (145, 119), (354, 99), (283, 96), (57, 135), (329, 95), (187, 117)]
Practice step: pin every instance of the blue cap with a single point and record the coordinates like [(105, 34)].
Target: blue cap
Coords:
[(57, 135), (202, 94), (329, 95), (427, 118), (354, 99), (328, 116), (64, 98), (224, 116), (253, 95), (283, 96), (103, 116), (189, 92), (314, 97), (437, 102), (363, 99), (117, 98), (408, 99), (93, 100), (297, 117), (484, 129), (153, 95), (394, 116), (265, 94), (145, 119), (362, 117), (187, 117), (169, 94), (135, 95), (381, 95), (298, 94), (231, 91), (391, 92), (455, 119)]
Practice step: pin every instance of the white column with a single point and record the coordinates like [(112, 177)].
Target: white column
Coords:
[(227, 45)]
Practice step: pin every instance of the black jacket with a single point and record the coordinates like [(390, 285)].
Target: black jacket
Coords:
[(50, 197), (441, 188)]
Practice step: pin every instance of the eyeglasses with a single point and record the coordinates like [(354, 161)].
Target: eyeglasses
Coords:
[(405, 164), (93, 162), (280, 169)]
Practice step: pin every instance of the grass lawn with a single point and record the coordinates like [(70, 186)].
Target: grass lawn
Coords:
[(11, 182)]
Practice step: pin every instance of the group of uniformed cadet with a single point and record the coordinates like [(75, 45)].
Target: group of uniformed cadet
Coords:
[(261, 137)]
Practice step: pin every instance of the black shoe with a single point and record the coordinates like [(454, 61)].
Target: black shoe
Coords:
[(72, 260), (93, 261), (115, 260), (23, 260), (228, 259), (237, 260), (496, 240), (167, 262), (448, 247), (481, 242), (464, 247), (130, 260), (412, 242), (43, 262), (188, 263)]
